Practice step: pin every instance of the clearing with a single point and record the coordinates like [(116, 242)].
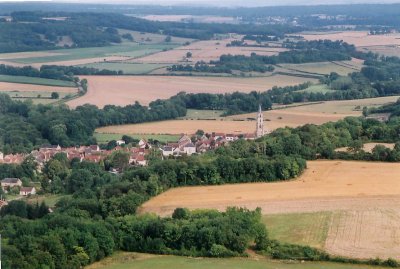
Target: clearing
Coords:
[(126, 260), (125, 90)]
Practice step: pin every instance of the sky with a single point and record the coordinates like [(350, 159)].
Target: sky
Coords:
[(222, 2)]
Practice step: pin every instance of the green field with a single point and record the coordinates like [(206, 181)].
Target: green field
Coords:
[(127, 68), (105, 138), (202, 114), (36, 81), (299, 228), (147, 261), (323, 68), (125, 49), (319, 88)]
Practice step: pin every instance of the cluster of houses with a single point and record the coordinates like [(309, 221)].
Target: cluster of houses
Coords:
[(11, 183), (91, 153), (200, 144)]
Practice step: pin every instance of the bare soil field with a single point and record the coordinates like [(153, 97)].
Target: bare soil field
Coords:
[(8, 87), (205, 51), (358, 38), (325, 185), (124, 90)]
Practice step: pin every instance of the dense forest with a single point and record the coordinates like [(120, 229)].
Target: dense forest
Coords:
[(32, 31)]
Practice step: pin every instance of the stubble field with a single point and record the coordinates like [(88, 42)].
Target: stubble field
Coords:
[(360, 200), (124, 90)]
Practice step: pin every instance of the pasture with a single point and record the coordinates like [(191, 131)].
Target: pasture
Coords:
[(125, 260), (124, 90), (36, 81), (107, 137), (127, 68)]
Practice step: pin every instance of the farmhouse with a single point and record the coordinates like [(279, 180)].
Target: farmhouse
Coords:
[(11, 183), (25, 191)]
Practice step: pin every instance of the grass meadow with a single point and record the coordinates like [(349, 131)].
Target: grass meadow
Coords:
[(36, 81)]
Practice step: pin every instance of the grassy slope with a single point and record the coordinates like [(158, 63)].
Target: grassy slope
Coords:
[(146, 261), (36, 81), (300, 228), (124, 49)]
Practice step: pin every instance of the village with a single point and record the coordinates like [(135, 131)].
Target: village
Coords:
[(185, 146)]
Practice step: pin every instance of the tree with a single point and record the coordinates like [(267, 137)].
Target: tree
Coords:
[(168, 39), (188, 54), (55, 95)]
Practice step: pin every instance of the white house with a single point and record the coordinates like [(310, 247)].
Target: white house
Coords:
[(167, 151), (25, 191), (189, 149), (1, 156)]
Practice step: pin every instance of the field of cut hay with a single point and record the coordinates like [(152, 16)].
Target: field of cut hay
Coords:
[(124, 90)]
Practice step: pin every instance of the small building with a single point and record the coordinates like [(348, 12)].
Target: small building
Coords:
[(189, 149), (11, 183), (25, 191), (120, 142), (1, 156), (167, 151)]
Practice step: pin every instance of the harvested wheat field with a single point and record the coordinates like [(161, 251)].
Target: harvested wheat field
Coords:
[(365, 234), (362, 196), (357, 38), (325, 185), (9, 87), (205, 51), (125, 90)]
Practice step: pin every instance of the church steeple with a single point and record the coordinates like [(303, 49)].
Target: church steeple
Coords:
[(260, 123)]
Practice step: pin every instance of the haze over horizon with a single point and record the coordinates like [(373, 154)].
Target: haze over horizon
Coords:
[(232, 3)]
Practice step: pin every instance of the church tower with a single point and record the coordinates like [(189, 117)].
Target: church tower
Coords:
[(260, 123)]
